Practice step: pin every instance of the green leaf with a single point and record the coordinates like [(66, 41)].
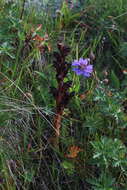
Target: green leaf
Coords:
[(123, 49), (42, 75), (67, 165), (115, 80)]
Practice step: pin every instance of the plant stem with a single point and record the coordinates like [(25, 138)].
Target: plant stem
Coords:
[(23, 8)]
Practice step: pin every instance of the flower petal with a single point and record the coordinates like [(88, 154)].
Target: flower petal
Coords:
[(85, 74), (77, 71), (88, 69), (75, 63)]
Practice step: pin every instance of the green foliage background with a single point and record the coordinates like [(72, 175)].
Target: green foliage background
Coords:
[(96, 122)]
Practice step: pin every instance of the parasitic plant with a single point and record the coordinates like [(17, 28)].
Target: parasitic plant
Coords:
[(61, 93)]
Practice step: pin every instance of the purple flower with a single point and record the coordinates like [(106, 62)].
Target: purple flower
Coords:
[(82, 67)]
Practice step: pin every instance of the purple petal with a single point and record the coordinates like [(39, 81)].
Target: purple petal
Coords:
[(85, 74), (75, 63), (89, 69), (82, 61), (86, 61), (77, 71)]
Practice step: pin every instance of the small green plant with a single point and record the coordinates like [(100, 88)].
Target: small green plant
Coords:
[(109, 152), (104, 182)]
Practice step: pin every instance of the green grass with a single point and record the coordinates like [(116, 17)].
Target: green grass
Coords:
[(95, 118)]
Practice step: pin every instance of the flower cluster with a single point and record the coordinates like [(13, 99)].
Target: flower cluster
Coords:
[(82, 67)]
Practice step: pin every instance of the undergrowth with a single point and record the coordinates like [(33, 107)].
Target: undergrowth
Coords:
[(92, 153)]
